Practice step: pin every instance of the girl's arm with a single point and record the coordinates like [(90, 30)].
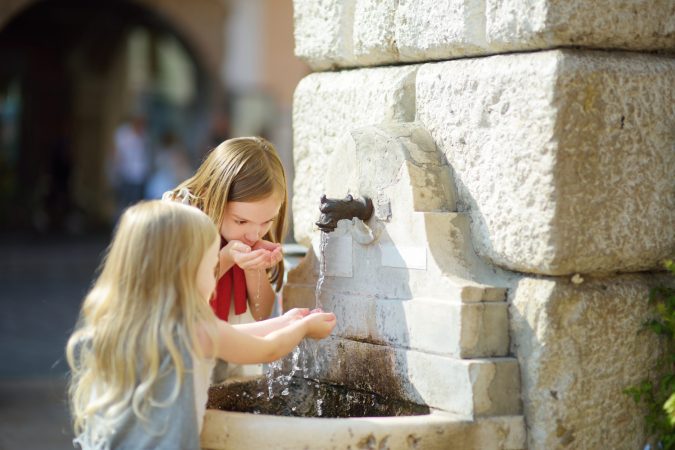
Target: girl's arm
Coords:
[(242, 348), (264, 327)]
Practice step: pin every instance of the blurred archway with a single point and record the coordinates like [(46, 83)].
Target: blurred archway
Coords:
[(70, 72)]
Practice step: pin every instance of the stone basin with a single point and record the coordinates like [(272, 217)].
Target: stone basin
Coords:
[(315, 415)]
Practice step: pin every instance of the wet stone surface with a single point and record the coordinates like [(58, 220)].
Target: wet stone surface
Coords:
[(306, 398)]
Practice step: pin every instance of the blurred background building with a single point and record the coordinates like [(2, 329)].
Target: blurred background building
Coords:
[(78, 80), (74, 71)]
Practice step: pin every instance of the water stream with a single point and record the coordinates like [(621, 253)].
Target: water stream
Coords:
[(290, 386), (322, 270), (277, 379)]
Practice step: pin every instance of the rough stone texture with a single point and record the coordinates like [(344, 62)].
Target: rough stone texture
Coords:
[(563, 161), (373, 32), (462, 330), (533, 24), (564, 158), (438, 431), (413, 297), (433, 29), (424, 30), (579, 346), (419, 248), (467, 387), (357, 33), (328, 105), (320, 30)]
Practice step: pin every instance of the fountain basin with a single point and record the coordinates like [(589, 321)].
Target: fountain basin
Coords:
[(424, 429)]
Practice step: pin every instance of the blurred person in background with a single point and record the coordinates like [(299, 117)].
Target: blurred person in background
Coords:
[(131, 162), (172, 166)]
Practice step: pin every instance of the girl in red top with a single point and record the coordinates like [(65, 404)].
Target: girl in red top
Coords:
[(241, 186)]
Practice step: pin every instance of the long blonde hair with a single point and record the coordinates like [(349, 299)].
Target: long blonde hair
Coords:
[(243, 169), (144, 303)]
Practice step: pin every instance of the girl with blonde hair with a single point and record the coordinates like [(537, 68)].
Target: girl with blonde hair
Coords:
[(146, 341)]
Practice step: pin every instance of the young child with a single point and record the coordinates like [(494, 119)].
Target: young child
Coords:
[(146, 338), (241, 186)]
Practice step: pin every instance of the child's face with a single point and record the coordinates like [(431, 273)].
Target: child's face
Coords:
[(208, 270), (248, 222)]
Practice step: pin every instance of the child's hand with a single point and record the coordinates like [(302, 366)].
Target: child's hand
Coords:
[(229, 253), (267, 245), (294, 314), (274, 248), (257, 258), (319, 325)]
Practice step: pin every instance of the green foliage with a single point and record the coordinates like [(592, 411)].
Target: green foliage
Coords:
[(659, 395)]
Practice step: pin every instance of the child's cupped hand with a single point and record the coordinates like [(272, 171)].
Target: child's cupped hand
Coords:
[(262, 255), (294, 314), (319, 324)]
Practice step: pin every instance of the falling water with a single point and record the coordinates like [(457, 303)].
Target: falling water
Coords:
[(257, 295), (306, 371), (322, 269), (274, 375)]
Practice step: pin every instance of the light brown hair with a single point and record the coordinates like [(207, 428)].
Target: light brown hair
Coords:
[(242, 169)]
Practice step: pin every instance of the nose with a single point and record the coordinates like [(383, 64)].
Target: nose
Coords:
[(253, 234)]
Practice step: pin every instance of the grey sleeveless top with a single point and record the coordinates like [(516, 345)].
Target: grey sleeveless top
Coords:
[(176, 426)]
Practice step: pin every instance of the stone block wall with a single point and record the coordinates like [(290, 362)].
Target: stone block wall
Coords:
[(562, 158), (332, 34), (408, 288), (561, 161), (579, 347)]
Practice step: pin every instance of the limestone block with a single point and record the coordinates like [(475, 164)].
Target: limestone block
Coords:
[(424, 30), (579, 347), (357, 33), (564, 159), (373, 32), (225, 430), (469, 388), (370, 160), (533, 24), (321, 31), (413, 235), (325, 107), (461, 330), (439, 29), (388, 268)]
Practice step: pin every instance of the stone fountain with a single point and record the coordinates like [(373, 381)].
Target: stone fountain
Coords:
[(540, 135), (423, 322)]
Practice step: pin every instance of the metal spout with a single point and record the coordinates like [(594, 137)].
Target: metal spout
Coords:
[(334, 210)]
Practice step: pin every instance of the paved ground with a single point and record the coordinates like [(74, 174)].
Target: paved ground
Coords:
[(42, 282)]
